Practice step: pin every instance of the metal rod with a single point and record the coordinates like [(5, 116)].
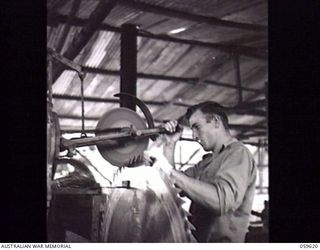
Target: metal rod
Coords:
[(188, 80), (69, 63), (92, 140), (134, 134)]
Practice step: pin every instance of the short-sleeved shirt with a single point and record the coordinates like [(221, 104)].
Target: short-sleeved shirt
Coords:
[(233, 173)]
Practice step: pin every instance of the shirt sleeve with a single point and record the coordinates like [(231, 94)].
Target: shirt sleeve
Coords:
[(192, 171), (195, 171), (233, 179)]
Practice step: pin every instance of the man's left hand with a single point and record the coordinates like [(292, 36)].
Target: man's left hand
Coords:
[(159, 160)]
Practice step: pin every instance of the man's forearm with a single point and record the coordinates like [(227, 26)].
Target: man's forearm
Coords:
[(198, 191), (168, 152)]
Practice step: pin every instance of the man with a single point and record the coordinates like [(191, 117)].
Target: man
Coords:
[(222, 185)]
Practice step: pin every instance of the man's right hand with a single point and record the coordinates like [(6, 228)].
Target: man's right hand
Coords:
[(175, 132), (171, 139)]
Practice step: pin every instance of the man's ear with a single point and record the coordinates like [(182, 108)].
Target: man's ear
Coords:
[(216, 121), (216, 124)]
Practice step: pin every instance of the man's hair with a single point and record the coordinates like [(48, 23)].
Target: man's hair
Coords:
[(210, 109)]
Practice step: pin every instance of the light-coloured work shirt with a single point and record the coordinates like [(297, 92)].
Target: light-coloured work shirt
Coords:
[(232, 171)]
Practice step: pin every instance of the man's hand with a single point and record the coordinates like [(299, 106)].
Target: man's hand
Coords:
[(172, 127), (158, 160)]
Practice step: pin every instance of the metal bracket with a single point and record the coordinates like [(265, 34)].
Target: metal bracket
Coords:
[(145, 110)]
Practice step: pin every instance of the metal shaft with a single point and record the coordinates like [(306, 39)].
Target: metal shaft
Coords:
[(132, 134)]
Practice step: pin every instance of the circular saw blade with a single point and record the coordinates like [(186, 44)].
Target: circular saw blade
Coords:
[(149, 210), (131, 148)]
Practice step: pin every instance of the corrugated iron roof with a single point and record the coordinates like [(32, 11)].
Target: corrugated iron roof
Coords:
[(199, 64)]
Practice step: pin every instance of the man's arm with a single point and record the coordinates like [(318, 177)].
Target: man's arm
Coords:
[(168, 152), (223, 192), (199, 191)]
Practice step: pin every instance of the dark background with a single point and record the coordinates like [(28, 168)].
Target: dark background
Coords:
[(293, 121)]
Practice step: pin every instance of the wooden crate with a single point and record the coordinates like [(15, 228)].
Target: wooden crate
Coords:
[(79, 213)]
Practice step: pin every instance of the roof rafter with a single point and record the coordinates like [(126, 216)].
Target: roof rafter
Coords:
[(188, 80), (230, 110), (74, 9), (192, 17), (227, 48), (96, 18)]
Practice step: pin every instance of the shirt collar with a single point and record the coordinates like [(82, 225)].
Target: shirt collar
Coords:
[(226, 144)]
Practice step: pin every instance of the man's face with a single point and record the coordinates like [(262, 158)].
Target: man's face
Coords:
[(203, 131)]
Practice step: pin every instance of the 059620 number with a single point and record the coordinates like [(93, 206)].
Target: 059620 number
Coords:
[(305, 245)]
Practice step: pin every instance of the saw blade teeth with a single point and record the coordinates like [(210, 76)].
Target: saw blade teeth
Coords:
[(180, 201), (180, 197), (191, 226), (179, 190), (176, 191), (187, 213), (132, 161)]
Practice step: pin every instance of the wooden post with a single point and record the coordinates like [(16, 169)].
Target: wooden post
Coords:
[(128, 59), (238, 77)]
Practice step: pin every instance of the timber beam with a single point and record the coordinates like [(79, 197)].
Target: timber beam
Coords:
[(128, 65), (74, 9), (253, 112), (227, 48), (188, 80), (169, 12), (138, 5)]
